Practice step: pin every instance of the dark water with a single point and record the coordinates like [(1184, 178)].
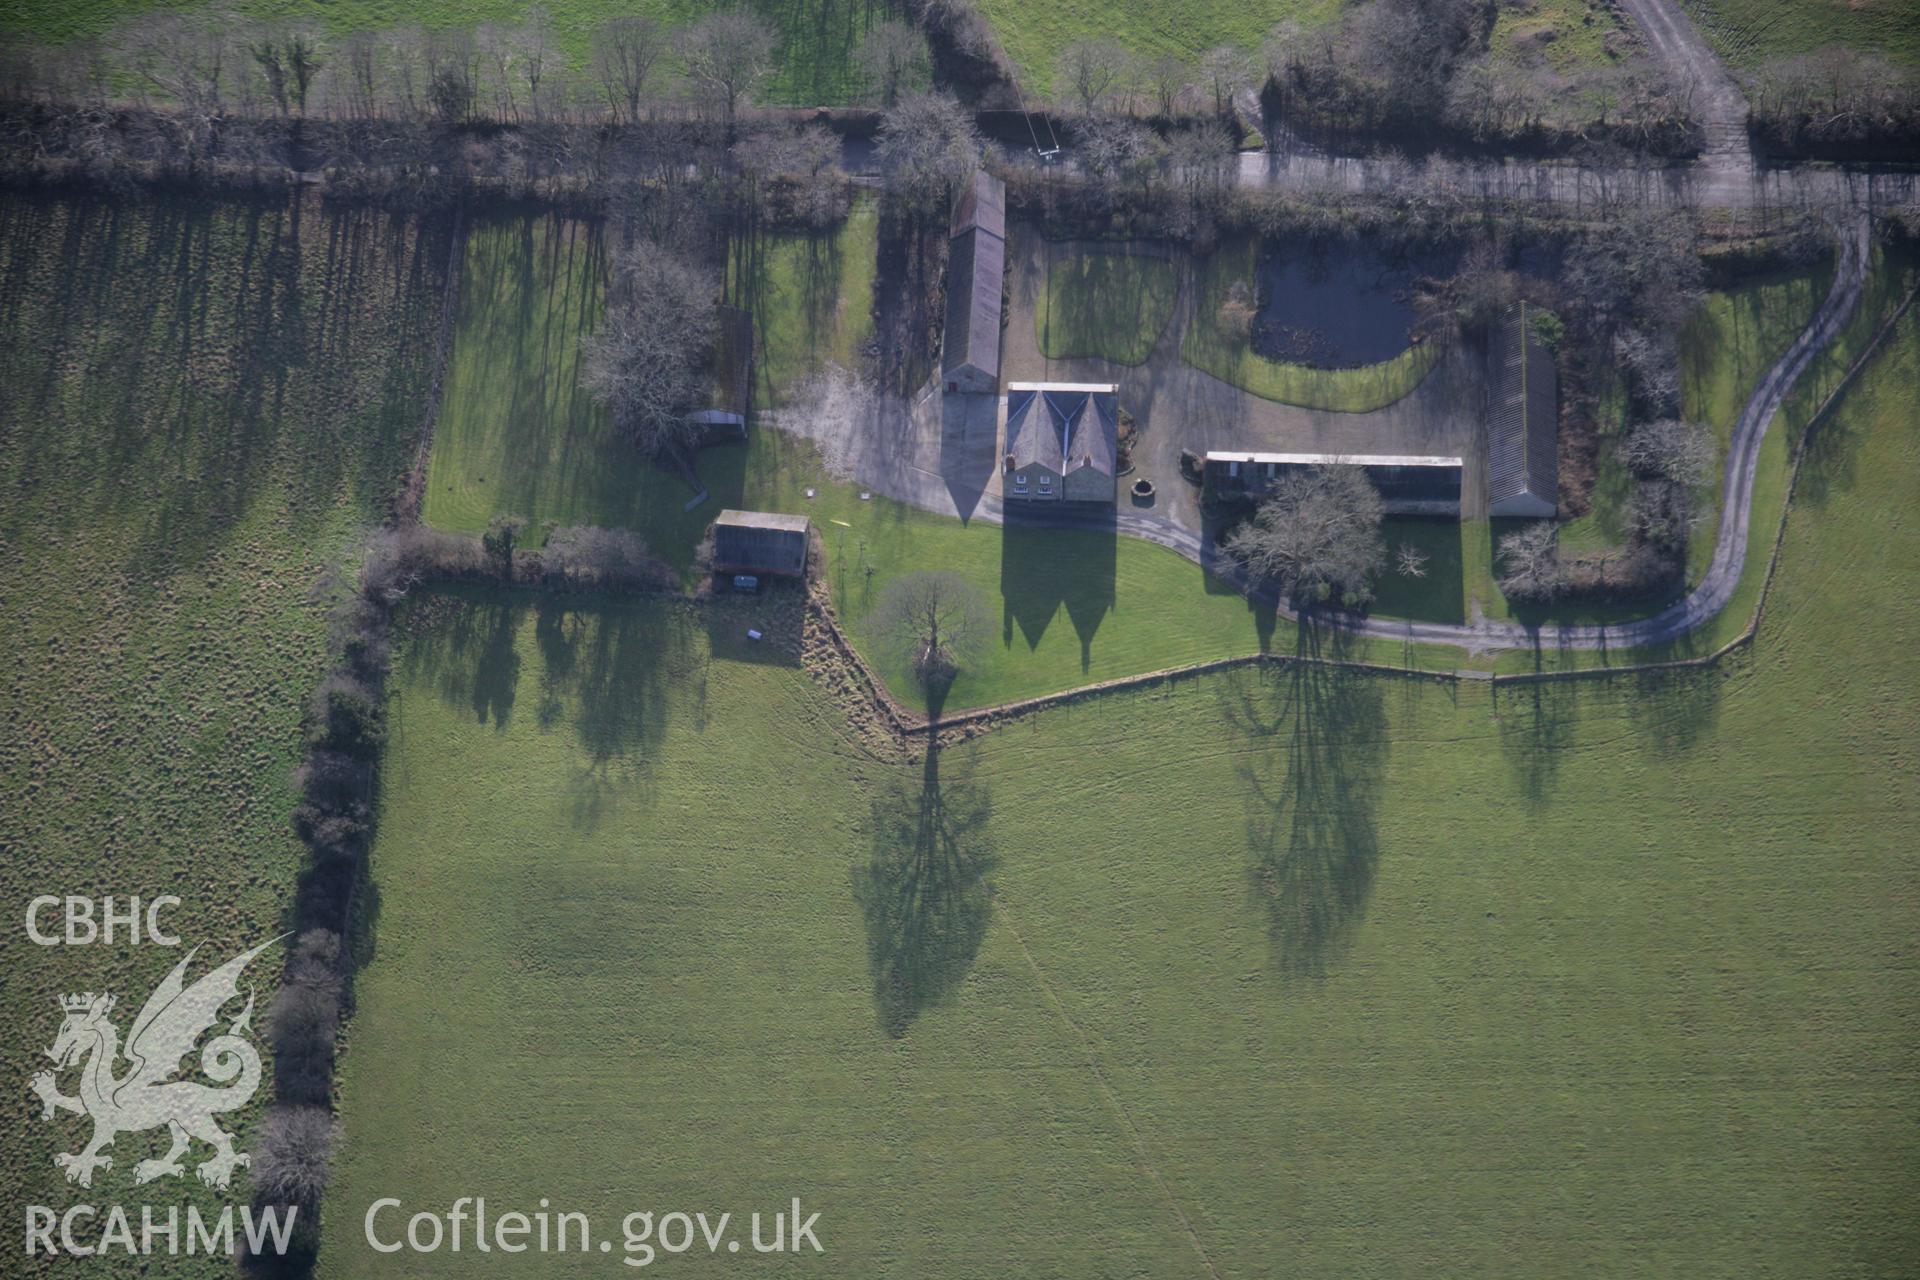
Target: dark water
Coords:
[(1338, 305)]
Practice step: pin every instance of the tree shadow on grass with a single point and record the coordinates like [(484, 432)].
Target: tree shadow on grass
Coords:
[(1536, 722), (924, 893), (471, 659), (1317, 739), (1673, 710)]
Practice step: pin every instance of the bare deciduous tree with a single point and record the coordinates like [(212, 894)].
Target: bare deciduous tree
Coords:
[(935, 621), (1669, 449), (728, 55), (1165, 78), (588, 556), (1088, 71), (892, 58), (303, 1021), (1224, 72), (647, 361), (1316, 536), (1411, 561), (1115, 151), (928, 146), (290, 1162), (1641, 268), (1661, 513), (625, 52), (1530, 567)]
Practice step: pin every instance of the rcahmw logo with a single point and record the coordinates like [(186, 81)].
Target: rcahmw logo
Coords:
[(140, 1083)]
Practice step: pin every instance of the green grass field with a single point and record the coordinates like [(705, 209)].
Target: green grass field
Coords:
[(517, 431), (1305, 974), (1749, 32), (1209, 345), (200, 406), (1034, 33), (818, 38), (1110, 305)]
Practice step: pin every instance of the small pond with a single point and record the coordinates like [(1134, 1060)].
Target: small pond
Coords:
[(1338, 305)]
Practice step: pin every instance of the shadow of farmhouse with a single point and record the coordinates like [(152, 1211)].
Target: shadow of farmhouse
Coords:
[(923, 894), (1045, 568), (1312, 786)]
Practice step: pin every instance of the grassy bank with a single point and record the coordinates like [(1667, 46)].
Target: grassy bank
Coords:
[(200, 406)]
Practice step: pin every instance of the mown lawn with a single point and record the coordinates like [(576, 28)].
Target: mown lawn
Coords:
[(1749, 32), (200, 407), (1209, 345), (814, 67), (1110, 305), (1309, 974)]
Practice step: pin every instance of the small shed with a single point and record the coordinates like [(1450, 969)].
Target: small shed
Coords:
[(1523, 420), (761, 542), (976, 273)]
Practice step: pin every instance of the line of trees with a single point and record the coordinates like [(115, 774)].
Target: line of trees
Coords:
[(205, 64), (1836, 102)]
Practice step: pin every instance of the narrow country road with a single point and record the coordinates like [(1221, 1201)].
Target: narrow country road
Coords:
[(1715, 99)]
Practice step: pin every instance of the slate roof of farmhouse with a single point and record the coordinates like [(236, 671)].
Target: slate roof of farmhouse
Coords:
[(1523, 406), (1062, 426), (976, 267)]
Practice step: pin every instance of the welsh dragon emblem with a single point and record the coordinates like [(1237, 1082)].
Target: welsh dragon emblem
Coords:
[(145, 1096)]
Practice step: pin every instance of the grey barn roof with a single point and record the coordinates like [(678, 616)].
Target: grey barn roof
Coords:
[(982, 204), (760, 542), (1062, 426), (1523, 403), (976, 266), (763, 520)]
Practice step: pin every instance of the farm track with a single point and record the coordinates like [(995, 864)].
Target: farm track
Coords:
[(1719, 105)]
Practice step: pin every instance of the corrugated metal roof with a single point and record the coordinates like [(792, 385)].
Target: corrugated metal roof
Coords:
[(982, 205), (976, 266), (763, 520), (1329, 459), (1523, 419)]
